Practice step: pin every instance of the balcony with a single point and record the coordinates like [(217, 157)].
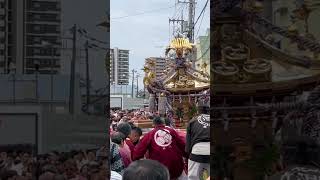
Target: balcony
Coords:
[(123, 66), (40, 22), (44, 8), (44, 33)]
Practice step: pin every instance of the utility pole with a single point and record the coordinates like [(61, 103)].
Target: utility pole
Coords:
[(191, 14), (181, 21), (87, 75), (37, 66), (190, 30), (138, 75), (192, 9), (133, 71), (51, 76), (72, 72)]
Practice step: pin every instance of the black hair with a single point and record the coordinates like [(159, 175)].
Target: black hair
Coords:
[(124, 128), (158, 120), (132, 125), (138, 130), (59, 177), (167, 121), (6, 174), (117, 137), (146, 170)]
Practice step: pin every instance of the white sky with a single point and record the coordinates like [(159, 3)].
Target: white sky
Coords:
[(143, 34)]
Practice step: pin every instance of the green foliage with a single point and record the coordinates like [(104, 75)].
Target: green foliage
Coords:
[(193, 111), (179, 112)]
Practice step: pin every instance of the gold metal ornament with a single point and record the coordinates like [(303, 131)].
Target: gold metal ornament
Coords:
[(180, 45)]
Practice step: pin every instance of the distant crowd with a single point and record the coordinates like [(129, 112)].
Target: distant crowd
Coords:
[(77, 165), (160, 153)]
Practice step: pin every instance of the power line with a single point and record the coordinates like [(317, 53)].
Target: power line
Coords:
[(202, 11), (177, 17), (200, 25), (175, 10), (207, 50), (84, 33), (142, 13), (185, 7), (181, 8), (204, 53), (95, 46)]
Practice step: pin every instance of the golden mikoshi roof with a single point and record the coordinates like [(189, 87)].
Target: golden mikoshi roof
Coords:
[(180, 79), (180, 43)]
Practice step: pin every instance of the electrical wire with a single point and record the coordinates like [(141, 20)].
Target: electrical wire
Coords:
[(200, 25), (142, 13), (206, 51), (178, 16), (182, 7), (175, 16), (84, 33), (202, 11), (175, 10), (183, 10)]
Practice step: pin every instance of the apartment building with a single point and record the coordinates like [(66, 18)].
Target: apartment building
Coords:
[(30, 32), (160, 65), (119, 66)]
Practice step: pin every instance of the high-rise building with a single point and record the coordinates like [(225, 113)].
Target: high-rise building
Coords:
[(160, 65), (30, 33), (283, 11), (203, 51), (119, 66)]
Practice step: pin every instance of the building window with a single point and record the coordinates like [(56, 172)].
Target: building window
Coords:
[(10, 39), (36, 51), (37, 17), (9, 51), (9, 4), (36, 5), (10, 15), (36, 28), (36, 40)]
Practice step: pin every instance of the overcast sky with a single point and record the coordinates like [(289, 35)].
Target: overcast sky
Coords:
[(87, 14), (143, 34)]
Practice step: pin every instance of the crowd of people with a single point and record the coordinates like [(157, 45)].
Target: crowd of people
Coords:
[(160, 153), (182, 155), (76, 165)]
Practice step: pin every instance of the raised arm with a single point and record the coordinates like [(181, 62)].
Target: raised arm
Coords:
[(142, 147)]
